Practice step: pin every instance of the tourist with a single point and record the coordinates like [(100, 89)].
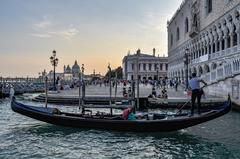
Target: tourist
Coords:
[(128, 114), (197, 92), (154, 93), (131, 115), (176, 85), (164, 93)]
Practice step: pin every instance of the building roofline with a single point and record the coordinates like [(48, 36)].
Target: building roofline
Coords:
[(176, 13)]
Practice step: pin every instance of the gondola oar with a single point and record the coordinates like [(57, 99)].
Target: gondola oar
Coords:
[(184, 105)]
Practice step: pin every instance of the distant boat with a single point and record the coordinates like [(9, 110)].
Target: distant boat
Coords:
[(158, 123)]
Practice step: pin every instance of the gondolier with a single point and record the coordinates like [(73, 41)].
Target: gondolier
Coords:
[(197, 92)]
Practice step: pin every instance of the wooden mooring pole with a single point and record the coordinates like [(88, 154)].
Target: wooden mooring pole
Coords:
[(110, 84), (46, 91)]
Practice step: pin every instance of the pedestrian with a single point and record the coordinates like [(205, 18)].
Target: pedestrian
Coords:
[(154, 93), (176, 85), (197, 92)]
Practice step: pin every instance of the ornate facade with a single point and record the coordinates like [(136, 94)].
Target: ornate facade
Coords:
[(150, 66), (71, 73), (208, 32)]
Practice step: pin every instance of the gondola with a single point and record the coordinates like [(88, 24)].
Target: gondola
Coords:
[(158, 123)]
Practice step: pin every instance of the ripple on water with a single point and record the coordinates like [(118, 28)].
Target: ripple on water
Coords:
[(22, 137)]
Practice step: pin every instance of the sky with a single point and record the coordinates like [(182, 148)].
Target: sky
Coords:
[(93, 32)]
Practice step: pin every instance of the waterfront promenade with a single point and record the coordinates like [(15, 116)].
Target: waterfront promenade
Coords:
[(96, 94), (144, 91)]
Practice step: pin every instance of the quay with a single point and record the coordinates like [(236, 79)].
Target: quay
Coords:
[(100, 96), (20, 85)]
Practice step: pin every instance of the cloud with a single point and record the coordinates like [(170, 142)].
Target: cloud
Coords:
[(47, 29), (155, 21), (41, 35), (43, 24), (68, 33)]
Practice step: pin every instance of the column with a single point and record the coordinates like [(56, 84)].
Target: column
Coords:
[(226, 42), (208, 48), (220, 43), (238, 38), (231, 39), (211, 47)]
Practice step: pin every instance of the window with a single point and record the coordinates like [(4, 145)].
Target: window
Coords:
[(132, 66), (214, 47), (178, 34), (186, 26), (150, 66), (218, 46), (155, 66), (235, 40), (209, 6), (161, 67), (171, 39), (228, 41), (223, 44), (210, 49), (144, 67)]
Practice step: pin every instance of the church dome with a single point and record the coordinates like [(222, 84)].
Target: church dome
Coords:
[(75, 68)]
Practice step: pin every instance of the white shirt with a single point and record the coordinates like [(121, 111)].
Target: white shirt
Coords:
[(194, 83)]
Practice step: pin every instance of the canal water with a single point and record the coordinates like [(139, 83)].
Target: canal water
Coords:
[(22, 137)]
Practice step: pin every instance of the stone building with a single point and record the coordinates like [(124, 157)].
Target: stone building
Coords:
[(207, 32), (151, 67), (68, 72), (71, 72)]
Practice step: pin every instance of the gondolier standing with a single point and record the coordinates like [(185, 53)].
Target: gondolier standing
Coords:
[(197, 92)]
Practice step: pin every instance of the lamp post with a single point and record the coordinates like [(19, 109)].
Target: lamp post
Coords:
[(110, 84), (157, 77), (137, 76), (83, 88), (186, 62), (54, 62)]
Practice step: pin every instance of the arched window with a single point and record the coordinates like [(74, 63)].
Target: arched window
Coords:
[(228, 41), (178, 34), (223, 44), (171, 39), (218, 46), (186, 26), (235, 39), (210, 49), (214, 47)]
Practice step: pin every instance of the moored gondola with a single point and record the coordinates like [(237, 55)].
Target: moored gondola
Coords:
[(159, 123)]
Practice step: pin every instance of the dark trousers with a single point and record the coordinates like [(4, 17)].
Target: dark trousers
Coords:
[(196, 94)]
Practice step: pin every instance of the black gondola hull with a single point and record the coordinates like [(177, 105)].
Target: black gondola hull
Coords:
[(49, 115)]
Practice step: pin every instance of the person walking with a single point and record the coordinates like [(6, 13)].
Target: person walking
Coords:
[(197, 92), (176, 85)]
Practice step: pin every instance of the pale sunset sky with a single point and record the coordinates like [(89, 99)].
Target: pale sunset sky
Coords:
[(93, 32)]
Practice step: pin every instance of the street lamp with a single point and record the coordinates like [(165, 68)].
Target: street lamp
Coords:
[(137, 77), (186, 62), (54, 62)]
